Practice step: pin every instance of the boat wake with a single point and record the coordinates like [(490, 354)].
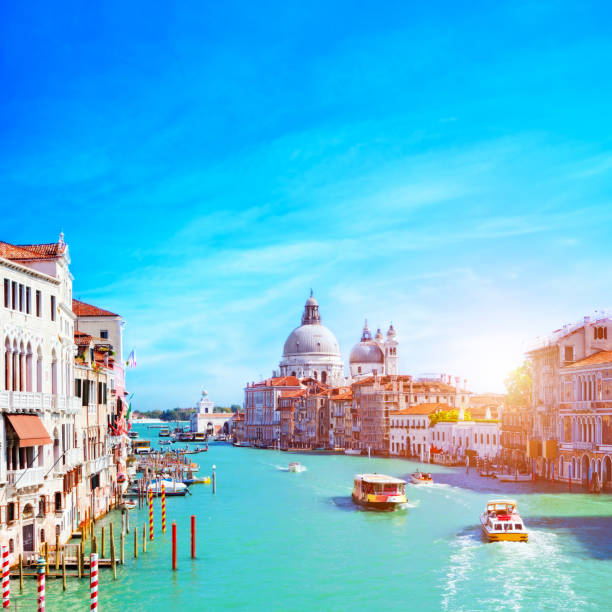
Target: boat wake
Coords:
[(507, 575)]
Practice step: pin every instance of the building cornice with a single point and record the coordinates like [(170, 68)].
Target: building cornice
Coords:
[(29, 271)]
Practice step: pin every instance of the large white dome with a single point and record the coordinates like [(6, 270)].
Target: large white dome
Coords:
[(311, 339), (367, 352)]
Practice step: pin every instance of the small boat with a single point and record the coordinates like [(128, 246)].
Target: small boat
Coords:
[(379, 492), (296, 466), (141, 447), (192, 481), (132, 434), (487, 472), (165, 442), (514, 477), (195, 451), (129, 504), (185, 436), (352, 451), (164, 432), (421, 478), (171, 487), (199, 436), (502, 523)]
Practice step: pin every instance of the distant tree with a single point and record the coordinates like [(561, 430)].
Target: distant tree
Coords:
[(235, 408), (448, 416), (518, 383), (221, 409)]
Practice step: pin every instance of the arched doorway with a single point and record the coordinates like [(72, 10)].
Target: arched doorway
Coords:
[(584, 470), (607, 471)]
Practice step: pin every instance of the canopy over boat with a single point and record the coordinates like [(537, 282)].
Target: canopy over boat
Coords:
[(379, 479)]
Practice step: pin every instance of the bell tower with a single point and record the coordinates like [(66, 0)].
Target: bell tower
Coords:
[(390, 351)]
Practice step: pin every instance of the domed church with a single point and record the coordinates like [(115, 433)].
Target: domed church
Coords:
[(311, 350), (374, 355)]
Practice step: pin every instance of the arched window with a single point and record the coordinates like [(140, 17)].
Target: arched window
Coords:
[(293, 373), (58, 501), (359, 370), (54, 373), (39, 370), (28, 360), (7, 365), (323, 377)]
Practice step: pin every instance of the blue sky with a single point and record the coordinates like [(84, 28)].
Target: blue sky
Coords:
[(446, 167)]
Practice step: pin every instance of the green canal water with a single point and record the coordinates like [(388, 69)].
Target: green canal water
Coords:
[(273, 540)]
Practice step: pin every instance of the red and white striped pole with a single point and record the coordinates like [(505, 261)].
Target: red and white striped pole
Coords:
[(150, 514), (163, 507), (93, 581), (41, 584), (6, 578)]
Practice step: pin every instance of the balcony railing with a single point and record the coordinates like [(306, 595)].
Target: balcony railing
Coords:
[(26, 478), (30, 401), (99, 464)]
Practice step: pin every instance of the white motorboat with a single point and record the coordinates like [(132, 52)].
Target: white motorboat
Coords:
[(352, 451), (296, 466), (501, 522), (421, 478)]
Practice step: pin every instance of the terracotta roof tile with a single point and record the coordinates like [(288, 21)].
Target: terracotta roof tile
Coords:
[(596, 359), (29, 252), (82, 309), (421, 409)]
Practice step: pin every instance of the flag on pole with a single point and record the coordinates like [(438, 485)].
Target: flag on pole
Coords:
[(131, 360)]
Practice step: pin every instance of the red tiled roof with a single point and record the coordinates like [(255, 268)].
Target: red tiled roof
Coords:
[(343, 396), (421, 409), (595, 359), (82, 309), (295, 393), (28, 252), (279, 381), (81, 339)]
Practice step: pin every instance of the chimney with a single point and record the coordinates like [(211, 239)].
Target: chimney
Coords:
[(457, 379)]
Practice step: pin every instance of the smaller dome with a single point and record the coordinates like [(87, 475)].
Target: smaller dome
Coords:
[(311, 302), (366, 352)]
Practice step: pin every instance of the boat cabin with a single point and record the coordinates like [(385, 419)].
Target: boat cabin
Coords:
[(378, 484), (141, 446)]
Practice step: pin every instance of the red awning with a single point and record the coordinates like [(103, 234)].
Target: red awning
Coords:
[(29, 429)]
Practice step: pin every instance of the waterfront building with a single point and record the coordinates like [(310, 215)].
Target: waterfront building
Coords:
[(107, 329), (95, 486), (37, 399), (409, 429), (565, 393), (340, 402), (289, 405), (585, 411), (459, 438), (373, 398), (57, 466), (262, 419), (206, 420), (516, 427), (311, 350), (374, 356)]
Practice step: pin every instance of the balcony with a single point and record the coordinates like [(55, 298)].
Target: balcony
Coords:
[(99, 464), (30, 477), (74, 457), (592, 446), (29, 401)]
